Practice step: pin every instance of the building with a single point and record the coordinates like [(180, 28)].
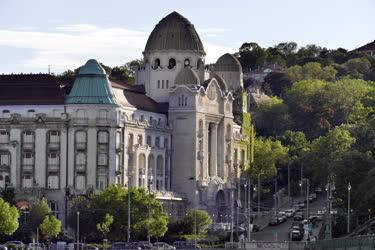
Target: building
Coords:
[(177, 131), (368, 49)]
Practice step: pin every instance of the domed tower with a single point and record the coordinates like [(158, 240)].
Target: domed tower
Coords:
[(230, 69), (173, 45)]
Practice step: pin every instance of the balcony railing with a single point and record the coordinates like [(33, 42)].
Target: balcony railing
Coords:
[(28, 145), (81, 145), (27, 166), (103, 122), (53, 167), (54, 145), (80, 121)]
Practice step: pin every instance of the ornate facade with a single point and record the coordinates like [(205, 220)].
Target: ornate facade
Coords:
[(177, 131)]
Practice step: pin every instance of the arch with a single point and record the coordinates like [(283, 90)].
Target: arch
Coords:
[(156, 63), (221, 206), (142, 170), (171, 63)]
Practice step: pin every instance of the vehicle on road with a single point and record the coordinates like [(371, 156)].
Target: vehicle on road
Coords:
[(144, 244), (15, 244), (162, 246), (296, 235), (281, 218), (318, 190), (36, 246), (301, 204), (125, 245), (273, 221), (289, 212), (298, 216)]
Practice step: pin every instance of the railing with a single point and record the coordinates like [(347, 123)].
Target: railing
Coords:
[(358, 242), (361, 228)]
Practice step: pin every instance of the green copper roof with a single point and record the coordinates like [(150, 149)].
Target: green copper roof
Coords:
[(91, 86)]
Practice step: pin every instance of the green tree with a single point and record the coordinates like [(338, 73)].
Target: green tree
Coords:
[(202, 219), (272, 117), (8, 218), (296, 142), (51, 226), (104, 226), (357, 68), (249, 54), (39, 210), (268, 155), (312, 70), (278, 83)]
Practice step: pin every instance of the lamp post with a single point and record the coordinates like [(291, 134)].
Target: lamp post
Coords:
[(149, 208), (129, 228), (249, 211), (259, 194), (289, 182), (348, 225), (78, 229), (301, 178)]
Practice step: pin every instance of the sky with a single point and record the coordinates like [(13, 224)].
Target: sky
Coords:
[(65, 34)]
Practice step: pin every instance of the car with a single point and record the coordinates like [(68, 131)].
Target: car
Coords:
[(289, 212), (36, 246), (314, 196), (298, 225), (296, 235), (318, 190), (185, 245), (162, 246), (296, 208), (145, 244), (311, 199), (301, 204), (281, 213), (273, 221), (281, 218), (3, 247), (298, 216), (76, 246), (125, 245), (14, 244)]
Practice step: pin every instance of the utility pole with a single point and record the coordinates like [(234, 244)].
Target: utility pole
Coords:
[(301, 178), (77, 229), (249, 210), (348, 225), (238, 205), (307, 200), (232, 214)]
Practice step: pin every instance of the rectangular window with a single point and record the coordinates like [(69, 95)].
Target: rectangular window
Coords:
[(27, 181), (28, 137), (162, 84), (4, 159), (4, 136), (31, 113), (167, 84), (102, 159), (6, 113), (53, 182), (103, 137), (54, 136), (158, 84), (149, 140)]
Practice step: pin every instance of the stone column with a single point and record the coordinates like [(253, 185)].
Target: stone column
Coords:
[(213, 155), (206, 151)]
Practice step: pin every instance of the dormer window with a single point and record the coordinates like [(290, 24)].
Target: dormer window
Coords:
[(187, 62), (172, 63)]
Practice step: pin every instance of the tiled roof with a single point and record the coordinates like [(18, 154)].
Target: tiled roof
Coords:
[(367, 47), (137, 98), (31, 89)]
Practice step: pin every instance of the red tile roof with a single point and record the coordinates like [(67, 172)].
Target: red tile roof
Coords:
[(32, 89)]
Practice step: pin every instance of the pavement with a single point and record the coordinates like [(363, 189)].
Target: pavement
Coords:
[(281, 232)]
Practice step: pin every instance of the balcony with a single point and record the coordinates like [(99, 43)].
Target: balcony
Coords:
[(27, 167), (81, 121), (53, 167), (103, 122), (81, 145), (28, 145), (54, 145)]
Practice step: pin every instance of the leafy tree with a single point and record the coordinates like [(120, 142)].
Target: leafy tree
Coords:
[(278, 83), (268, 155), (51, 226), (39, 210), (104, 226), (296, 142), (312, 70), (8, 194), (87, 217), (203, 220), (8, 218), (272, 117), (249, 55), (357, 68)]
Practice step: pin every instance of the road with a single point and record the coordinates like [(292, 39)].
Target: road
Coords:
[(281, 231)]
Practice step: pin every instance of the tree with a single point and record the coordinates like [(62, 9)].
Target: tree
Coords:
[(39, 210), (51, 226), (312, 70), (249, 54), (357, 68), (104, 226), (8, 218), (278, 83), (296, 142), (202, 218), (272, 117), (87, 218), (268, 155)]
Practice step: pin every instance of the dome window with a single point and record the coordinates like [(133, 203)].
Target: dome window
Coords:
[(187, 62), (156, 63), (172, 63)]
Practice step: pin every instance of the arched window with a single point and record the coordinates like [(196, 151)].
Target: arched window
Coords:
[(172, 63), (187, 62), (199, 63), (156, 63), (151, 167), (157, 142)]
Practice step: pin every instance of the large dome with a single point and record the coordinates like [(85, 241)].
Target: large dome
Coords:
[(227, 62), (174, 32)]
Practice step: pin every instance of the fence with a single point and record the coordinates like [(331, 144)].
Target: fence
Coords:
[(355, 243), (258, 245)]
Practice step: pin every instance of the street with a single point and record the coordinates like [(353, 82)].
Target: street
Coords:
[(281, 232)]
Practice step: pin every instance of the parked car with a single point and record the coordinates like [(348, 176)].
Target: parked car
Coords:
[(281, 218), (301, 204), (36, 246), (298, 216), (281, 213), (185, 245), (14, 244), (297, 225), (289, 212), (145, 244), (273, 221), (296, 235), (162, 246), (125, 245), (318, 190)]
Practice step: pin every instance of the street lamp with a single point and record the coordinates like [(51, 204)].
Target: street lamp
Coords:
[(149, 208), (348, 225), (307, 197), (78, 229)]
